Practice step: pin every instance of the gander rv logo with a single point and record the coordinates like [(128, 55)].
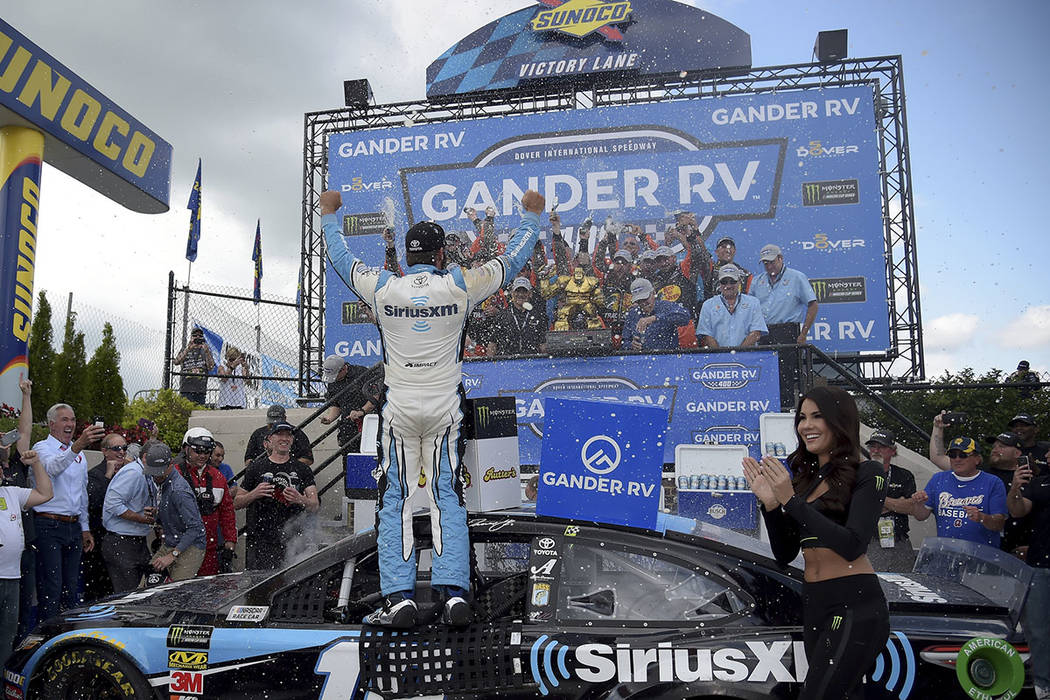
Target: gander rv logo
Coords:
[(579, 18), (725, 375)]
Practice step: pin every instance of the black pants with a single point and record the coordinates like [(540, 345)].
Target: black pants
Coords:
[(790, 374), (125, 557), (845, 624)]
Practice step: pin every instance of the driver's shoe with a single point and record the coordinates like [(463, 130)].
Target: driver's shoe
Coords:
[(397, 612)]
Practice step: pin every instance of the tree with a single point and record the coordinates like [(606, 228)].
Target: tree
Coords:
[(170, 411), (988, 410), (70, 370), (42, 358), (105, 388)]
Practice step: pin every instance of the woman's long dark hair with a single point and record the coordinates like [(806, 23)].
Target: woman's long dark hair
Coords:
[(839, 411)]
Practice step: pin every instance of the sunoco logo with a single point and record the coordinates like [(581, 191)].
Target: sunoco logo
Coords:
[(839, 290), (579, 18), (815, 194), (725, 375)]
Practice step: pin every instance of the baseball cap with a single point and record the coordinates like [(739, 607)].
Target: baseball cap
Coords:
[(664, 252), (280, 427), (1021, 418), (275, 413), (647, 254), (726, 239), (1023, 364), (883, 437), (521, 283), (424, 236), (641, 288), (730, 270), (155, 458), (769, 252), (1010, 439), (623, 254), (332, 365), (963, 444)]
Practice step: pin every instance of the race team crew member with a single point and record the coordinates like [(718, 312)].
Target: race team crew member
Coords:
[(276, 490), (890, 549), (967, 503), (421, 318), (788, 302), (731, 319), (1029, 497), (214, 500), (652, 324)]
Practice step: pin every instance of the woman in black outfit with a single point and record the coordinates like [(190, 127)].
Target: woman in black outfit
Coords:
[(829, 509)]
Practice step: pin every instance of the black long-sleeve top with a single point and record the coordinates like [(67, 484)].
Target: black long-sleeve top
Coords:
[(800, 524)]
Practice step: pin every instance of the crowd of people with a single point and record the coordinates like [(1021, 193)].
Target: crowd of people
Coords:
[(645, 293), (143, 514)]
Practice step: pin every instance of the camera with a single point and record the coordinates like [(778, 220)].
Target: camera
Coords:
[(205, 501), (99, 422), (9, 438), (954, 418)]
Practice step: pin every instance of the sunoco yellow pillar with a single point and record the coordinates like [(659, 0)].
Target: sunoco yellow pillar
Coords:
[(21, 158)]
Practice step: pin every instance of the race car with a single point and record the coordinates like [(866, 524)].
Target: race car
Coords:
[(564, 609)]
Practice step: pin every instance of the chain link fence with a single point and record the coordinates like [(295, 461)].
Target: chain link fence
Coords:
[(266, 333), (139, 344)]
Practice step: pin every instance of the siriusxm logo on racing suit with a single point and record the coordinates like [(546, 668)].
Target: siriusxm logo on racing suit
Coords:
[(420, 311)]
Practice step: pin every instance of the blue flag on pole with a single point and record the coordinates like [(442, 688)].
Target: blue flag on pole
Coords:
[(195, 216), (257, 257)]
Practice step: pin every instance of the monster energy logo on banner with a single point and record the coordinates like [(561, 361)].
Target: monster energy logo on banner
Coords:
[(839, 290), (364, 224), (493, 417), (815, 194), (484, 416)]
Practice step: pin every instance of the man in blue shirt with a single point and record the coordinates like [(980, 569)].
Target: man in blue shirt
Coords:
[(968, 504), (788, 302), (730, 319), (128, 514), (182, 550), (652, 324)]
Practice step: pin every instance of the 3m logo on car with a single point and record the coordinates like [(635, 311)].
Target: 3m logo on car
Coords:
[(192, 660), (186, 682)]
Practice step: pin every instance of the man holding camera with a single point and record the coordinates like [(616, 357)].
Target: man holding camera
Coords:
[(214, 501), (196, 362), (182, 532), (277, 490)]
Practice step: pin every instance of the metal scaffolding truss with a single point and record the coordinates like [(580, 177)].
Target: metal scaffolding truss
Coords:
[(904, 360)]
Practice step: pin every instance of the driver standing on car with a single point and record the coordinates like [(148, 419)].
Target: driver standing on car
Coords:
[(422, 317)]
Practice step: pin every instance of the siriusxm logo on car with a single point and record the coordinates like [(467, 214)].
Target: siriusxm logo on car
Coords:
[(726, 375), (598, 663)]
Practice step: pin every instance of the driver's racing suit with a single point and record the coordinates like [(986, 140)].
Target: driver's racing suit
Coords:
[(422, 320)]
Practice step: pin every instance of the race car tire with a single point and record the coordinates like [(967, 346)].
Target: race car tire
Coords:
[(89, 673), (989, 668)]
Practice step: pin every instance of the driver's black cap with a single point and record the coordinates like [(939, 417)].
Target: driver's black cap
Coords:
[(424, 237)]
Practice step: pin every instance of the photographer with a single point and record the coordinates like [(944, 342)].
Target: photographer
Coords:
[(276, 490), (182, 546), (214, 500), (196, 362)]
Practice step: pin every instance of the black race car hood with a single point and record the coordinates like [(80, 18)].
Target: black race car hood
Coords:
[(208, 596)]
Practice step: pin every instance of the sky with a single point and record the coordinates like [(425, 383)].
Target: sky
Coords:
[(230, 82)]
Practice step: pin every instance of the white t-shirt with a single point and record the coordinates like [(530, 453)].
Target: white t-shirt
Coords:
[(12, 502), (231, 389)]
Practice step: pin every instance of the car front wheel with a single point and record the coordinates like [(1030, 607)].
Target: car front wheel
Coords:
[(89, 673)]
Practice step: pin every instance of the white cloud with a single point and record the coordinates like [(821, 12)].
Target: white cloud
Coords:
[(1029, 330), (949, 332)]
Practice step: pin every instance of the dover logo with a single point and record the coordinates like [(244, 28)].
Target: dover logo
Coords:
[(725, 375), (600, 454), (191, 660), (822, 242), (817, 149), (579, 18)]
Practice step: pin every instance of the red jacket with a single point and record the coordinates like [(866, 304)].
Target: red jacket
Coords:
[(222, 516)]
